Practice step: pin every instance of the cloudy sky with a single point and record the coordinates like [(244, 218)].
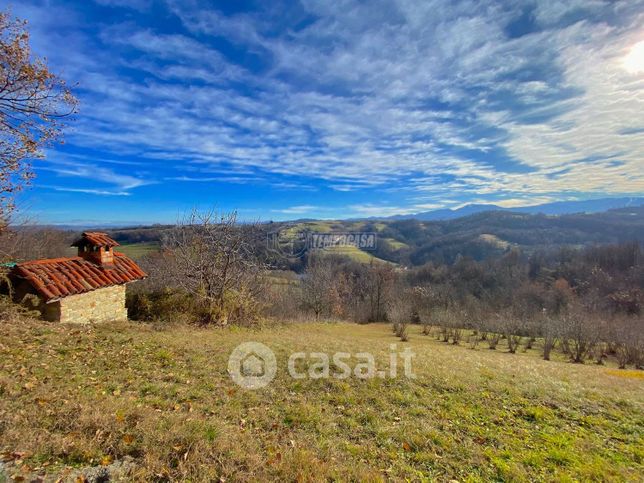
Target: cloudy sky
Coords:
[(318, 108)]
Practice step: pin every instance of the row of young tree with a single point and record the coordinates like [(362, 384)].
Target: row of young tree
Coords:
[(585, 302)]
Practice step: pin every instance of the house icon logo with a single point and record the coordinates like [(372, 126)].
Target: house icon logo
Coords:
[(252, 365), (289, 242)]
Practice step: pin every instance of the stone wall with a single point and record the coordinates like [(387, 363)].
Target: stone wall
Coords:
[(99, 305)]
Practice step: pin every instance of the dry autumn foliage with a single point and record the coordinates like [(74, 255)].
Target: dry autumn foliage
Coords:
[(157, 404), (34, 102)]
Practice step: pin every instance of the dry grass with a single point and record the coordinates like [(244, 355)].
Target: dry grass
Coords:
[(83, 396), (139, 250), (352, 252)]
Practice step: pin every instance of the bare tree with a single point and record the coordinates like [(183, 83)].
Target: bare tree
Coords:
[(628, 337), (579, 330), (492, 331), (380, 279), (399, 313), (212, 258), (30, 242), (317, 282), (547, 329), (510, 325), (33, 105), (473, 340)]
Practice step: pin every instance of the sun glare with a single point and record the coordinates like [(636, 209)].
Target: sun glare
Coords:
[(634, 60)]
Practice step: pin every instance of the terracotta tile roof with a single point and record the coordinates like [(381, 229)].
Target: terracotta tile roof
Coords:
[(56, 278), (96, 238)]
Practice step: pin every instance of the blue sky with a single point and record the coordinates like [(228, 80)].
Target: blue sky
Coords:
[(335, 109)]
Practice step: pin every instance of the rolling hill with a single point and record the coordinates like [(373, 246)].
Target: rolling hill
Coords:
[(480, 235)]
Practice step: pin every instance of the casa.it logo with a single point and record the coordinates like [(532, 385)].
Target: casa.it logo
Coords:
[(252, 365)]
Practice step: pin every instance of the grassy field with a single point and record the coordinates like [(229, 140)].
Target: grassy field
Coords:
[(354, 253), (75, 397), (138, 250), (395, 244)]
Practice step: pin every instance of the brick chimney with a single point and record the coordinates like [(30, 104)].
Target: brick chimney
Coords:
[(96, 247)]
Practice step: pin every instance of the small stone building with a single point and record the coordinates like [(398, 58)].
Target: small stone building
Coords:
[(82, 289)]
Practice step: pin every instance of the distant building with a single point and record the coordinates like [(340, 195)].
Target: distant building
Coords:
[(82, 289)]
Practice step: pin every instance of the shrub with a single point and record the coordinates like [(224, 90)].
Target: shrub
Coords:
[(493, 340), (399, 312), (579, 333), (160, 305), (402, 332), (474, 340)]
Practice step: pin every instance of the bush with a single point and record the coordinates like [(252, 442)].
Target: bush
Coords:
[(168, 305), (399, 312), (10, 310), (175, 305), (402, 332), (580, 333)]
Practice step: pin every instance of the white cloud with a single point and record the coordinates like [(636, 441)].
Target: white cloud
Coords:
[(141, 5), (297, 210), (586, 140), (215, 179), (369, 210), (89, 191), (119, 184), (412, 97)]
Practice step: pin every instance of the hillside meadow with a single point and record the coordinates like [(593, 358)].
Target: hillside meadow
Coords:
[(160, 398), (414, 242)]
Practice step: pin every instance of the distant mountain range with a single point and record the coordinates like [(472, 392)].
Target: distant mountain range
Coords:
[(555, 208), (479, 235)]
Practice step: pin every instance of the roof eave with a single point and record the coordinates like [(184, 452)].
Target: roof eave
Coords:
[(57, 299)]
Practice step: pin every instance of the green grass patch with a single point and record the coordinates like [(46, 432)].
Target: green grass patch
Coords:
[(354, 253), (76, 396), (395, 244), (138, 250)]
